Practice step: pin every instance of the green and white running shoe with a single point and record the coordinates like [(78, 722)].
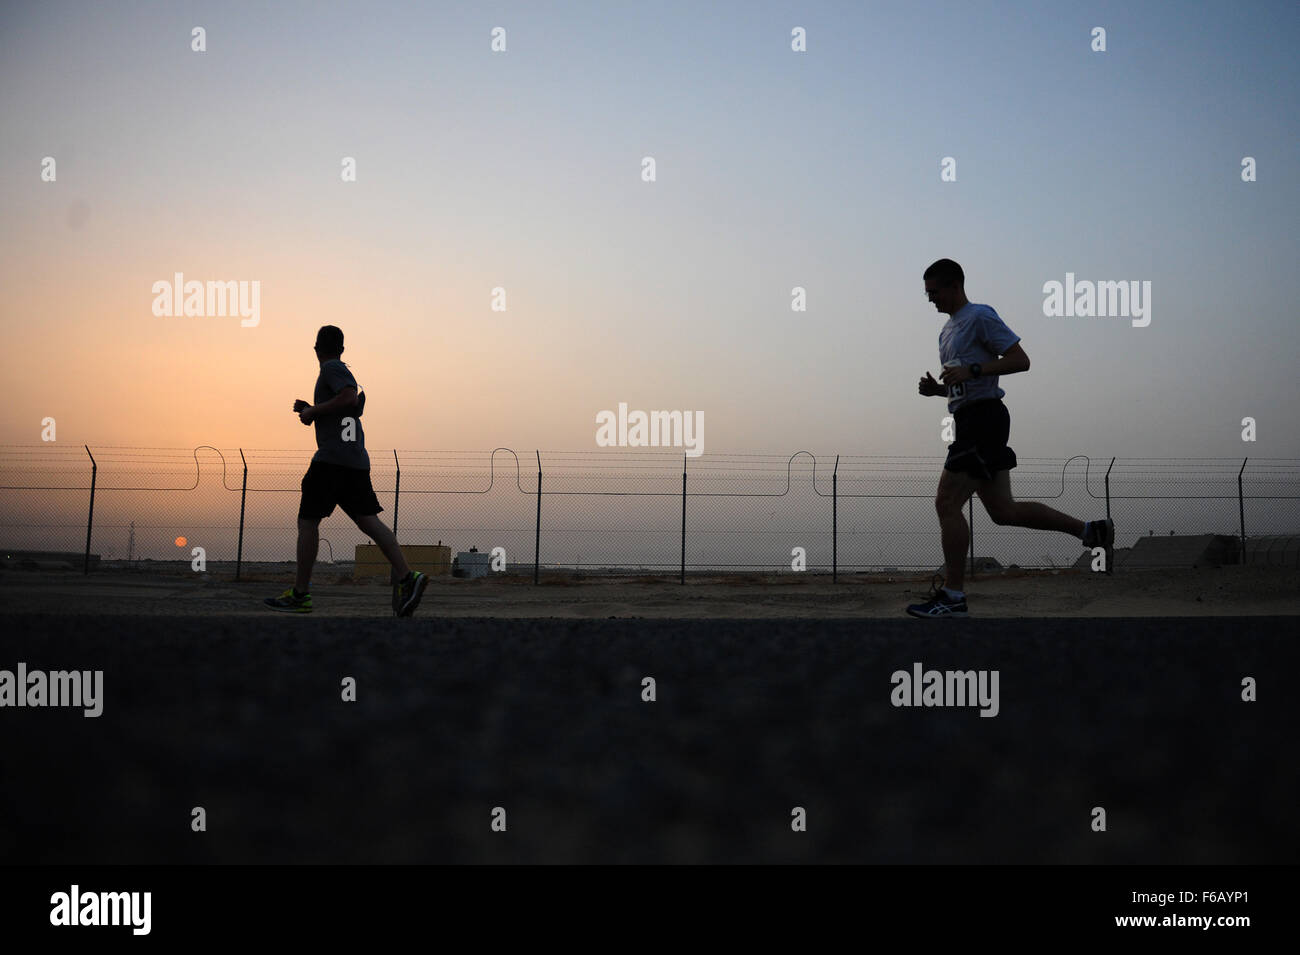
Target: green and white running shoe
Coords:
[(409, 592), (290, 602)]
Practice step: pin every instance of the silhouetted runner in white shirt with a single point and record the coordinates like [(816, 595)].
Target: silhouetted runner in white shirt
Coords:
[(975, 348)]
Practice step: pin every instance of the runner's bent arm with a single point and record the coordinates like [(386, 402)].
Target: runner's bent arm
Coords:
[(341, 402), (1013, 361)]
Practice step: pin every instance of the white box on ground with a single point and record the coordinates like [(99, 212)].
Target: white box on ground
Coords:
[(473, 563)]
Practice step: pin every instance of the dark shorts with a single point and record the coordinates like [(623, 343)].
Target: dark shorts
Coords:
[(981, 446), (326, 485)]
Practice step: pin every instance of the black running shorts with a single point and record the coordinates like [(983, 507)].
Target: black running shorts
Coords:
[(981, 446), (326, 485)]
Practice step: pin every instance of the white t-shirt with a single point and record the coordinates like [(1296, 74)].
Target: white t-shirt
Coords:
[(974, 333)]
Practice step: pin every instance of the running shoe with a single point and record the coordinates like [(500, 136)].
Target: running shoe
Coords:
[(288, 602), (1101, 534), (410, 590), (939, 604)]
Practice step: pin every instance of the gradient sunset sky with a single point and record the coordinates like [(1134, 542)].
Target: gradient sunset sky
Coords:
[(522, 170)]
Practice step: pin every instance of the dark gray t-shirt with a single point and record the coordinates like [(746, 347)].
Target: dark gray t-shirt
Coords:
[(332, 448), (974, 333)]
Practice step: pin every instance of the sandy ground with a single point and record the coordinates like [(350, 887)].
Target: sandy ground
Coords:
[(1224, 591)]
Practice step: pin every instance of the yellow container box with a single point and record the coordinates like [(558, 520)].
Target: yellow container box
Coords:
[(431, 559)]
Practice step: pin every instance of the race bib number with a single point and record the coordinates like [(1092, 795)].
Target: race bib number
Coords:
[(957, 390)]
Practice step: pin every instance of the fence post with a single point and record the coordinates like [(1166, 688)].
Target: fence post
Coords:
[(537, 544), (971, 505), (835, 523), (243, 494), (1110, 567), (90, 518), (1108, 467), (397, 490), (1241, 510), (683, 519)]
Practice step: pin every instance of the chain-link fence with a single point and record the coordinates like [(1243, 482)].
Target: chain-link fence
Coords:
[(613, 511)]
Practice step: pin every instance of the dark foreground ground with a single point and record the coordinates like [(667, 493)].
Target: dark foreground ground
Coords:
[(544, 718)]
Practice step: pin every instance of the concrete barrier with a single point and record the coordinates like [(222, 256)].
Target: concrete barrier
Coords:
[(38, 559), (1194, 550), (1273, 550)]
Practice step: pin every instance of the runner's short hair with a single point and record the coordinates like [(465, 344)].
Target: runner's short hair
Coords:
[(330, 339), (947, 273)]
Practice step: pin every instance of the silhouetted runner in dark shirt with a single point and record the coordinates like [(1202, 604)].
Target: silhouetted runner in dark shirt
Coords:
[(339, 474)]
